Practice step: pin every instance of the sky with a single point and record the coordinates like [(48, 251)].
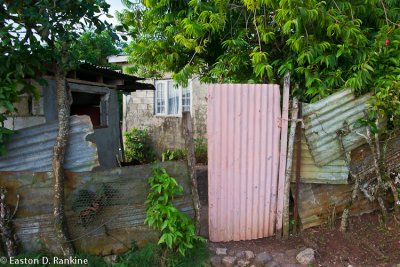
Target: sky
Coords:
[(114, 6)]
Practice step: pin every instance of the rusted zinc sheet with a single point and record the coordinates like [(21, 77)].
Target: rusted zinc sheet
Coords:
[(320, 204), (105, 209), (243, 152), (362, 160), (335, 172), (31, 149), (324, 118), (317, 202)]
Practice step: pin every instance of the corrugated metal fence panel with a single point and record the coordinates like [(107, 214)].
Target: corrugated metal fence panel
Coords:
[(335, 172), (31, 149), (243, 155), (324, 118)]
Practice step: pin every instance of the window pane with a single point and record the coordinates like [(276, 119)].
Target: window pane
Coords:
[(173, 98), (186, 99), (160, 98)]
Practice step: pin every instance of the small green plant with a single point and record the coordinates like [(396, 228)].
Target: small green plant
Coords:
[(147, 256), (178, 232), (171, 154), (200, 150), (137, 149)]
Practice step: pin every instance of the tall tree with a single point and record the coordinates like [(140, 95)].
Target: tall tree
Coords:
[(42, 35), (96, 47), (326, 45)]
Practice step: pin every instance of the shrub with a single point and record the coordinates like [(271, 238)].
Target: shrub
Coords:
[(178, 232), (137, 149), (200, 150), (171, 154)]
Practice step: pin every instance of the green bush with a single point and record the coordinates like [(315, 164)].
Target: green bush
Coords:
[(171, 154), (137, 149), (200, 150), (178, 232)]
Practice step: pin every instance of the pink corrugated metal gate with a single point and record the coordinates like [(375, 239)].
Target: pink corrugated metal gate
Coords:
[(243, 160)]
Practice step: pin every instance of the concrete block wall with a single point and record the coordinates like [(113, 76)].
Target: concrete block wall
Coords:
[(29, 111), (165, 131)]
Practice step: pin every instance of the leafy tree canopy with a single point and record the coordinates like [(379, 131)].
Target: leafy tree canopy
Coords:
[(326, 45), (96, 47)]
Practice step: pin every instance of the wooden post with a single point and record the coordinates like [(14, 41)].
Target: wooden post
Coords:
[(282, 158), (187, 127), (298, 169), (289, 164)]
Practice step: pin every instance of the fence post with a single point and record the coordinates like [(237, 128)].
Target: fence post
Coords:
[(187, 127), (289, 164), (282, 158)]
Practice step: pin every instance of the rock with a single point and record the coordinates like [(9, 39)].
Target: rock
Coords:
[(272, 264), (228, 261), (215, 261), (306, 256), (240, 255), (232, 253), (249, 254), (220, 251), (110, 259), (262, 258), (243, 263)]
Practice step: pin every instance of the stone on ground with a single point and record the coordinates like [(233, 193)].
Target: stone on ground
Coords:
[(262, 258), (228, 261), (249, 254), (243, 263), (306, 256), (220, 251), (215, 261), (240, 255)]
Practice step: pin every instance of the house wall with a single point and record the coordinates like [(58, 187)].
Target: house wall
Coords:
[(44, 110), (165, 131)]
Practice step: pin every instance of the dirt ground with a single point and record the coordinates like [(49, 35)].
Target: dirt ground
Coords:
[(369, 242)]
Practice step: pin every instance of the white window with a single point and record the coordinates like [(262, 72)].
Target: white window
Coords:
[(171, 99)]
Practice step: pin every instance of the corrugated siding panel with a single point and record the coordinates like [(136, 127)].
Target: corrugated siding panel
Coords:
[(335, 172), (243, 152), (31, 149), (323, 118)]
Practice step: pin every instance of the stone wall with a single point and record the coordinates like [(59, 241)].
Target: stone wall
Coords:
[(165, 131)]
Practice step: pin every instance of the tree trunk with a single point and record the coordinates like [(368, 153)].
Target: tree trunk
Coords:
[(188, 133), (8, 238), (63, 107)]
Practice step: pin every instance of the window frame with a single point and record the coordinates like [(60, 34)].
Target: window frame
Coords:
[(166, 95)]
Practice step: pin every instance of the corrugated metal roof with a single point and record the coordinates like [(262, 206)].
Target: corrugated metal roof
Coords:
[(324, 118), (335, 172), (32, 148), (243, 152)]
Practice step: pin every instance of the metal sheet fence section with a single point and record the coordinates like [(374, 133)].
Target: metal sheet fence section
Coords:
[(243, 155), (31, 149), (324, 118), (335, 172)]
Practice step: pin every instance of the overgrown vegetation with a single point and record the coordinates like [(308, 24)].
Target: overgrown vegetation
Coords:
[(149, 256), (200, 150), (177, 231), (137, 149), (173, 154)]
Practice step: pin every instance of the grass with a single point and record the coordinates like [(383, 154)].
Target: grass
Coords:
[(147, 256)]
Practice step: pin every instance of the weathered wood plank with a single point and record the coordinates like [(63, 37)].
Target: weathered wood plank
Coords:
[(111, 228)]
